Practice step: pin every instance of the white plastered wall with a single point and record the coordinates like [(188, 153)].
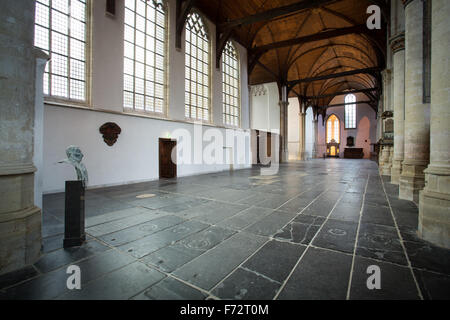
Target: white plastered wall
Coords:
[(134, 157)]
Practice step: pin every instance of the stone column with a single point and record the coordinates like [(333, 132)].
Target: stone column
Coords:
[(20, 219), (434, 205), (315, 137), (284, 155), (302, 116), (398, 49), (417, 122)]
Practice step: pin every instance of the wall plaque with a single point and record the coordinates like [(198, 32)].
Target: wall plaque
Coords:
[(110, 132)]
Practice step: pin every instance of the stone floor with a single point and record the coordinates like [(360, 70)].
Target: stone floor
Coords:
[(309, 232)]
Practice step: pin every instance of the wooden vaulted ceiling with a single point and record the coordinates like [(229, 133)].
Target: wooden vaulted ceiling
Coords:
[(300, 43)]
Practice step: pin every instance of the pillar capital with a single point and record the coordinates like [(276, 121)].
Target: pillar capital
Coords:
[(397, 42)]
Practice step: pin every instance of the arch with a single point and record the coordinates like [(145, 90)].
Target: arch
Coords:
[(333, 128)]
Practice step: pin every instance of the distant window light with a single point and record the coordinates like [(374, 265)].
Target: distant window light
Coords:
[(333, 130), (196, 69), (230, 85), (145, 56), (60, 31), (350, 111)]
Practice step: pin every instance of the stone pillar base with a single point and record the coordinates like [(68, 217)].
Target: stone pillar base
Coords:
[(385, 170), (20, 239), (434, 214), (385, 165), (396, 171), (412, 180), (434, 207)]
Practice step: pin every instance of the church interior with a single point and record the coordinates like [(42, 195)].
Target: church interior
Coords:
[(225, 149)]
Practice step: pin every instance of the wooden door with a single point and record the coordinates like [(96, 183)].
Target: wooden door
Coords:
[(269, 144), (167, 169), (258, 160)]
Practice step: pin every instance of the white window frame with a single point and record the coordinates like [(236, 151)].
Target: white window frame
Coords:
[(149, 81), (350, 111), (195, 89), (49, 74), (231, 64)]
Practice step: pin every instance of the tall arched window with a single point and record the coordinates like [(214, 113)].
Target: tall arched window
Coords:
[(350, 112), (230, 85), (60, 31), (145, 55), (197, 69), (333, 132)]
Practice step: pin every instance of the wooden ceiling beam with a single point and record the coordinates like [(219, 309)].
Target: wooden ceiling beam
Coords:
[(362, 28), (340, 93), (345, 104), (335, 75), (275, 12), (183, 7)]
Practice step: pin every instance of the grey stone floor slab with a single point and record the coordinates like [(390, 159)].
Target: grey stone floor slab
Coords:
[(176, 255), (245, 218), (271, 224), (346, 211), (380, 242), (240, 235), (61, 257), (219, 260), (53, 284), (320, 208), (115, 215), (171, 289), (295, 205), (17, 276), (424, 255), (216, 212), (275, 260), (141, 230), (301, 230), (156, 241), (121, 284), (117, 225), (243, 284), (434, 286), (396, 282), (321, 274), (377, 215), (337, 235)]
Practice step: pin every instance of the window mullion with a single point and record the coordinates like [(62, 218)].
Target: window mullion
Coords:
[(69, 34)]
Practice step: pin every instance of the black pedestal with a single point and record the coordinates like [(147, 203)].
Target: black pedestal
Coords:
[(74, 215)]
